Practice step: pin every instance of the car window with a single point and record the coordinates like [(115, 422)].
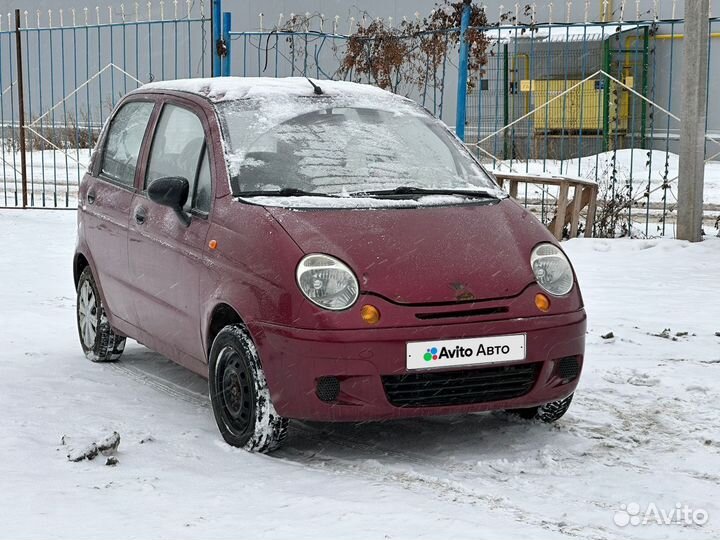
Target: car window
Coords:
[(124, 139), (204, 185), (177, 147)]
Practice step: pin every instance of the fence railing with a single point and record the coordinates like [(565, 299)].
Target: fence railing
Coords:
[(75, 66), (309, 53), (598, 101)]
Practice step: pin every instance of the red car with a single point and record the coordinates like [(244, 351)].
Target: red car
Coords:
[(319, 250)]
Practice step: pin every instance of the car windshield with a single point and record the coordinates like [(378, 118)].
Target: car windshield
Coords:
[(321, 146)]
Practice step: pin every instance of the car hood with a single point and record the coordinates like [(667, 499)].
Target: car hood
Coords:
[(440, 254)]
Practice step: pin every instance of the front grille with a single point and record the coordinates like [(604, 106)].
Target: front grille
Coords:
[(464, 387), (464, 313)]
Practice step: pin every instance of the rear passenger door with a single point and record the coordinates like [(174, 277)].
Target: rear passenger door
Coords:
[(166, 255), (105, 198)]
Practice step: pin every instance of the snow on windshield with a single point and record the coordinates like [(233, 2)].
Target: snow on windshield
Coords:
[(341, 146)]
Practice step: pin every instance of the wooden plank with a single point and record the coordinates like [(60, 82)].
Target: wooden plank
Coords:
[(584, 200), (577, 205), (513, 188), (592, 206), (545, 180), (562, 205)]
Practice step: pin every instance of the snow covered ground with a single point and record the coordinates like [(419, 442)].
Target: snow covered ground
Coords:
[(637, 167), (644, 428), (53, 177), (53, 182), (637, 171)]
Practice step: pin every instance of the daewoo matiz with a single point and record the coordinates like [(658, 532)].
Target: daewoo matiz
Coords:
[(319, 250)]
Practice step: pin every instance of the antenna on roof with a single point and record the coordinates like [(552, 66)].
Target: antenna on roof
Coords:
[(318, 91)]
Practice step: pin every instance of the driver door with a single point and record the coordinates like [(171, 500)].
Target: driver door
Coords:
[(165, 255)]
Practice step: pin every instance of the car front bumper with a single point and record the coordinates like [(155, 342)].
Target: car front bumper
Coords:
[(366, 362)]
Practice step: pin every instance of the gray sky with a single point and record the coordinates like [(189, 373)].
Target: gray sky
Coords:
[(246, 12)]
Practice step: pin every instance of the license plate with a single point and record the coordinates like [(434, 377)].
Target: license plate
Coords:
[(465, 352)]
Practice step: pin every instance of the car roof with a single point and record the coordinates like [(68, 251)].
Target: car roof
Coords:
[(233, 88)]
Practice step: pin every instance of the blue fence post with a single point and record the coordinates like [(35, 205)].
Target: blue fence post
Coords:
[(227, 25), (463, 72), (217, 32)]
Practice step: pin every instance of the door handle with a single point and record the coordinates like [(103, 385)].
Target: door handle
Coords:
[(140, 215), (91, 196)]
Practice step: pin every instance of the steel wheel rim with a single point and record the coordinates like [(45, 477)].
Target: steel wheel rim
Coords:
[(234, 384), (87, 314)]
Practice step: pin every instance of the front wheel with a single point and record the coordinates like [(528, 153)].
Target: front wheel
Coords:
[(240, 397), (548, 413), (98, 340)]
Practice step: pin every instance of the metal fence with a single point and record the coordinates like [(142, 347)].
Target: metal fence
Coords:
[(62, 72), (599, 101), (305, 52)]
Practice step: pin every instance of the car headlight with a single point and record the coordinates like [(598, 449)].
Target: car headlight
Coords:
[(327, 282), (552, 269)]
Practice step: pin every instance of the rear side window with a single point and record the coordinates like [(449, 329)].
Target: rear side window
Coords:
[(204, 185), (124, 139), (177, 148)]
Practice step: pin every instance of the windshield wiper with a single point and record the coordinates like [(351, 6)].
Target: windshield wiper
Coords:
[(284, 192), (411, 190)]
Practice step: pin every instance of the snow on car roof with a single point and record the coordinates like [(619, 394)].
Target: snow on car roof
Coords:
[(233, 88)]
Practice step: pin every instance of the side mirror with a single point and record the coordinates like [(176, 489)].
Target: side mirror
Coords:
[(171, 191)]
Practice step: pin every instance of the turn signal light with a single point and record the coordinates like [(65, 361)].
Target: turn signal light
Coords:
[(542, 302), (370, 314)]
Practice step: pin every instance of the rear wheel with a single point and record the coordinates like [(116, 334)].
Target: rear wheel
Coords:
[(240, 397), (98, 340), (549, 412)]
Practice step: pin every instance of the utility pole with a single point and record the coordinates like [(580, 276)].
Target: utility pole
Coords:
[(692, 127)]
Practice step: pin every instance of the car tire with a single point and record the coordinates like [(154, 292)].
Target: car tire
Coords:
[(548, 413), (239, 394), (98, 340)]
